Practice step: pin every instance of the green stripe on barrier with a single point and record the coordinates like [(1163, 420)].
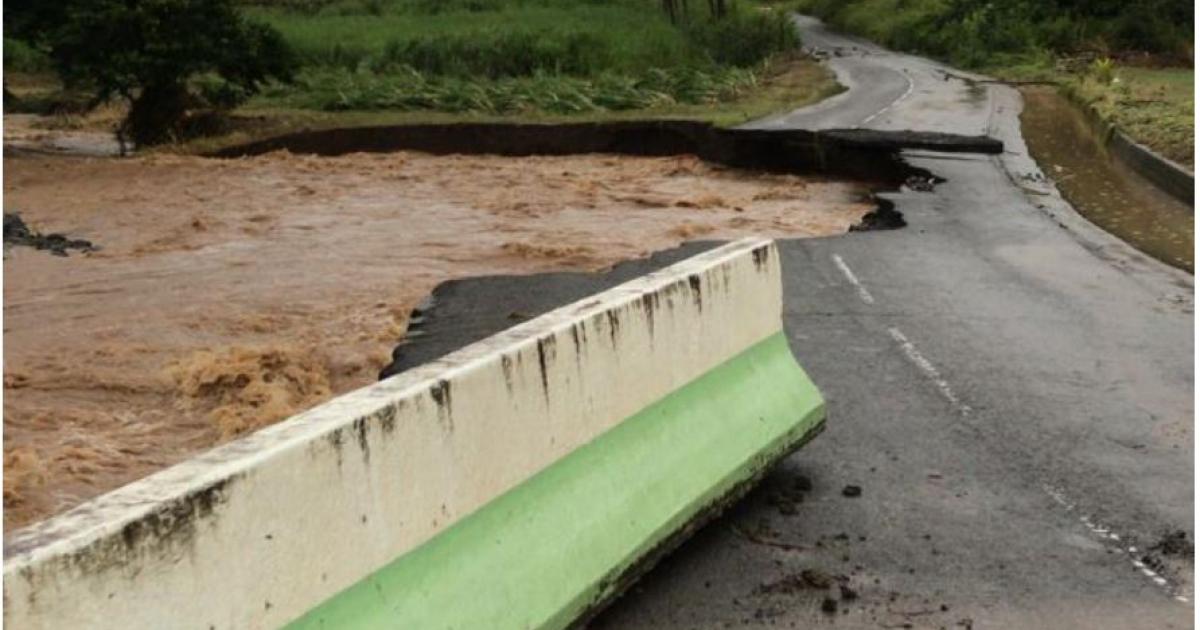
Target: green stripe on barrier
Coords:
[(546, 552)]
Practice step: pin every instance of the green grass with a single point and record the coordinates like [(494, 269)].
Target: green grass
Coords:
[(785, 83), (1156, 107), (396, 61), (589, 38), (526, 58)]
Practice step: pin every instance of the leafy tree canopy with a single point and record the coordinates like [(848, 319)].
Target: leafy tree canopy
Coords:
[(148, 52)]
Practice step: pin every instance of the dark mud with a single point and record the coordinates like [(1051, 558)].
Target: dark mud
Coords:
[(17, 233), (884, 217)]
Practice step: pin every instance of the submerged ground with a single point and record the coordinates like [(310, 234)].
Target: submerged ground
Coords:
[(230, 294)]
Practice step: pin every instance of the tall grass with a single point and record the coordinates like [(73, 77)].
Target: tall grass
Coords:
[(406, 89), (617, 37), (505, 56)]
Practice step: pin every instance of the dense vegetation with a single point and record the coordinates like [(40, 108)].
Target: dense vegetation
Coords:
[(154, 54), (977, 33), (171, 57), (505, 56)]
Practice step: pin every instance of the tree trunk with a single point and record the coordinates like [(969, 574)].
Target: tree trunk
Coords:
[(155, 114)]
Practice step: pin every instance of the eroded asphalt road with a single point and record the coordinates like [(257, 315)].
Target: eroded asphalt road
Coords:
[(1010, 387)]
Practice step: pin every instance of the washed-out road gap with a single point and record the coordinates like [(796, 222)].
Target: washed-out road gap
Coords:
[(1010, 386)]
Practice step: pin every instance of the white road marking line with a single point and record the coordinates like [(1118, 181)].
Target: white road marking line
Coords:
[(1131, 552), (863, 294), (911, 85), (930, 371)]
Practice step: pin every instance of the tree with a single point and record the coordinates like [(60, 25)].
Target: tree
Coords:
[(148, 51)]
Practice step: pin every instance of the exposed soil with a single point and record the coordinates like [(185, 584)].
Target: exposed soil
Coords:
[(230, 294)]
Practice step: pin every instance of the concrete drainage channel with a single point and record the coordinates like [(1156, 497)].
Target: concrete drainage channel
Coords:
[(520, 481)]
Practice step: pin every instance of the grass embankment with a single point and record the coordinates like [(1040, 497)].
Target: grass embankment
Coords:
[(406, 61), (1155, 106), (1131, 62)]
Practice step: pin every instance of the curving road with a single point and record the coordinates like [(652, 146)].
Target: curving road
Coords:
[(1010, 388)]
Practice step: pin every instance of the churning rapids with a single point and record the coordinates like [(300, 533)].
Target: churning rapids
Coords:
[(229, 294)]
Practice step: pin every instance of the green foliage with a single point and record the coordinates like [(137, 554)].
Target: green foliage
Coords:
[(147, 51), (19, 56), (982, 32), (495, 54), (505, 56), (743, 38), (406, 89), (1102, 70), (514, 39)]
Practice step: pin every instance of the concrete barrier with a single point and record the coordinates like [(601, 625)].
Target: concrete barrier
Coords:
[(1173, 179), (517, 483)]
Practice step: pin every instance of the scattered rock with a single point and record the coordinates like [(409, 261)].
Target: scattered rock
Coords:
[(1174, 543), (920, 184), (16, 232), (852, 491)]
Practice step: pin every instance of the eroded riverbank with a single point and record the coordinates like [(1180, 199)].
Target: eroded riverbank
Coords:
[(230, 294)]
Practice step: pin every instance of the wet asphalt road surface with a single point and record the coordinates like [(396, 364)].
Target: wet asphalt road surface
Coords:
[(1009, 387)]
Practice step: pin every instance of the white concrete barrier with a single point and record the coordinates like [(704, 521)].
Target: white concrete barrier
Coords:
[(262, 531)]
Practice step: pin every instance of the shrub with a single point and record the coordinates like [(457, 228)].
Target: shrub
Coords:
[(147, 51), (19, 56), (495, 54), (743, 38)]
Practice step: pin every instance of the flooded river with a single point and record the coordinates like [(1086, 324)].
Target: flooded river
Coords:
[(230, 294), (1101, 188)]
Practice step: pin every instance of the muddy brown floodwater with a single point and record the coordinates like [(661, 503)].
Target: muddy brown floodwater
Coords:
[(230, 294), (1103, 189)]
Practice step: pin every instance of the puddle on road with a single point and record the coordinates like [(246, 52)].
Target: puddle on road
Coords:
[(230, 294), (1101, 188)]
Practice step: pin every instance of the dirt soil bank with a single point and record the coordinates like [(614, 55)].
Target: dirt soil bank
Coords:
[(229, 294)]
